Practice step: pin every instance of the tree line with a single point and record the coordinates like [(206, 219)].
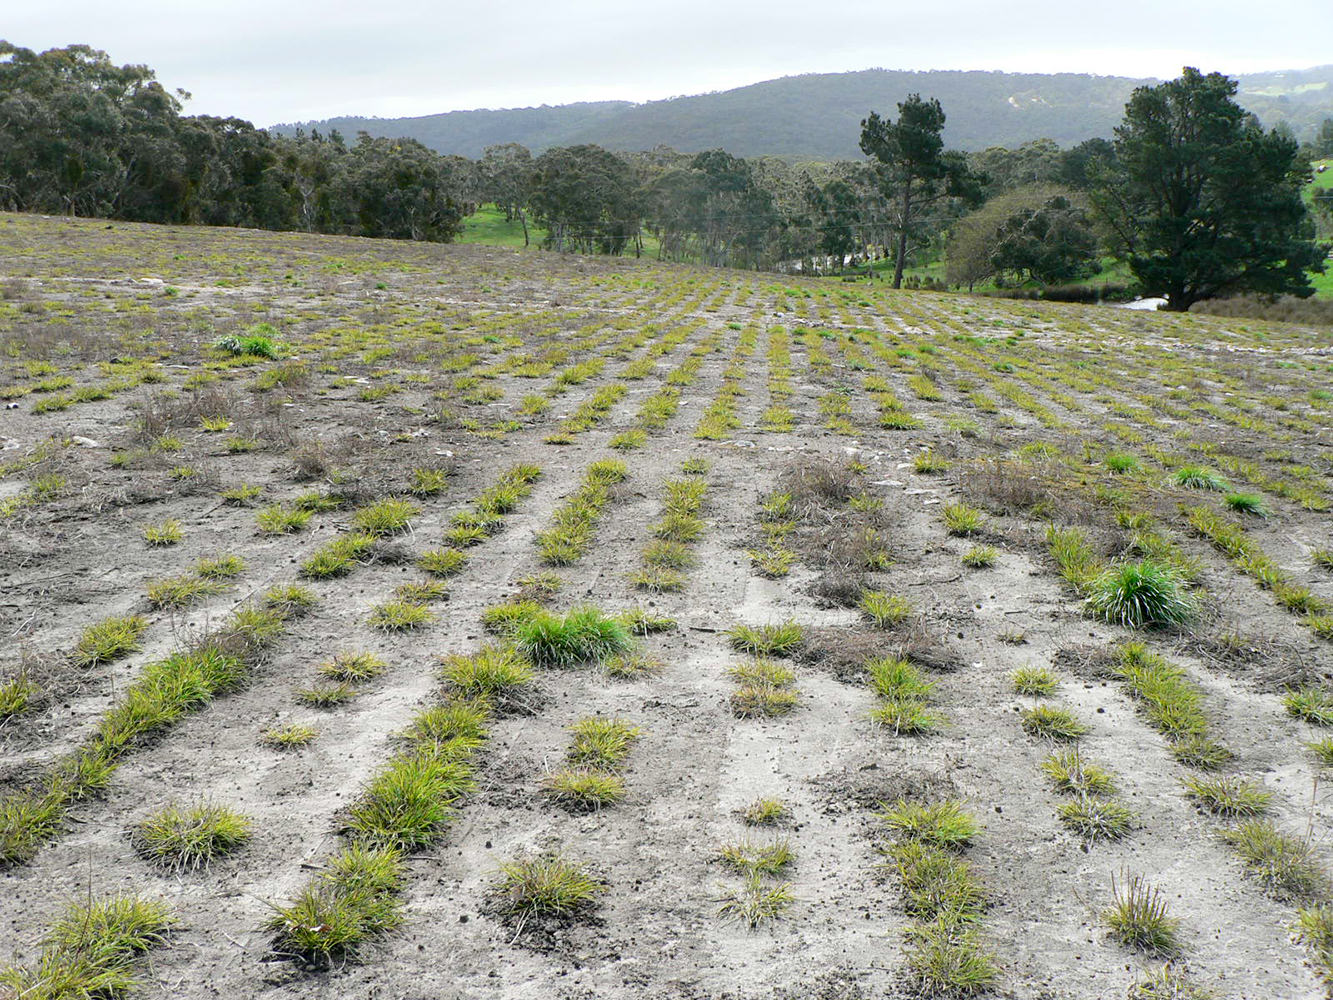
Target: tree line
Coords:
[(1189, 176), (82, 136)]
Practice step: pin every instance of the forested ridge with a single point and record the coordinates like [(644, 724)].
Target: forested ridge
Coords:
[(816, 116)]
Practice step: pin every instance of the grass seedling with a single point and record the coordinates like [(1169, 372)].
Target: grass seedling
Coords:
[(1285, 866), (960, 519), (1322, 751), (399, 616), (495, 673), (1311, 704), (1322, 558), (355, 899), (1168, 983), (929, 464), (182, 591), (427, 482), (278, 520), (442, 562), (1121, 462), (1051, 723), (1246, 503), (782, 639), (896, 678), (1069, 547), (90, 950), (773, 562), (631, 666), (17, 695), (326, 695), (584, 791), (1070, 772), (352, 666), (421, 591), (1036, 682), (583, 635), (220, 568), (748, 858), (167, 532), (386, 517), (947, 959), (289, 737), (764, 689), (1095, 818), (1140, 595), (542, 586), (602, 744), (1196, 477), (410, 803), (980, 557), (765, 812), (241, 495), (338, 557), (183, 838), (1227, 796), (1138, 917), (884, 610), (943, 824), (640, 621), (109, 640), (755, 901), (550, 885)]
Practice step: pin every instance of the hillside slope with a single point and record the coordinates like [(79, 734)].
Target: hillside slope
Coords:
[(818, 115)]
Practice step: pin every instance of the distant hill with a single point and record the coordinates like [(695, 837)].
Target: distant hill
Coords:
[(817, 116)]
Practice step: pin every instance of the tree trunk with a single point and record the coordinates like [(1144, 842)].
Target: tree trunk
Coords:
[(900, 257), (523, 218)]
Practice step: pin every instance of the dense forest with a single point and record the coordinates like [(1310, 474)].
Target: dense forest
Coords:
[(816, 116), (82, 136)]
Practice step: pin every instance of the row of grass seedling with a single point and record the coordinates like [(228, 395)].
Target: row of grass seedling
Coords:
[(665, 559), (165, 692), (942, 894), (566, 541)]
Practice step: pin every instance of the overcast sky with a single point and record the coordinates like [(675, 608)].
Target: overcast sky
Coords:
[(278, 61)]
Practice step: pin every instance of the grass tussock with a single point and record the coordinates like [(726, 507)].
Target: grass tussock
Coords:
[(1138, 917), (905, 697), (498, 674), (583, 635), (354, 900), (946, 955), (1035, 682), (547, 886), (1141, 595), (89, 954), (185, 838), (781, 639), (571, 532), (109, 640), (764, 689)]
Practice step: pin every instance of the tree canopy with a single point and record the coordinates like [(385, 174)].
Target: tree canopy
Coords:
[(1201, 200), (915, 171)]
